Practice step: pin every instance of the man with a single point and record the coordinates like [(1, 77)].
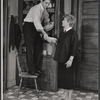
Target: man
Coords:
[(32, 29)]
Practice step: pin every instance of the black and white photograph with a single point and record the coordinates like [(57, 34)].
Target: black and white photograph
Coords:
[(49, 50)]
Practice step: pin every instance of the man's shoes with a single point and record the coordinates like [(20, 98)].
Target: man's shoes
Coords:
[(40, 72), (33, 73)]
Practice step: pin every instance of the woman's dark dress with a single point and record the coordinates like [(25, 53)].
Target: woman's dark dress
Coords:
[(67, 46)]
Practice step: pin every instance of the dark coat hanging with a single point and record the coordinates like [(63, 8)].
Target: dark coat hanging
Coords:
[(14, 34), (11, 34)]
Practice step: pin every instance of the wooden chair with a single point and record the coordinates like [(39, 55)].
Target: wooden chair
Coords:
[(26, 75)]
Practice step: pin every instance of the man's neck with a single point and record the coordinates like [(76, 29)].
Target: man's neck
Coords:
[(42, 6)]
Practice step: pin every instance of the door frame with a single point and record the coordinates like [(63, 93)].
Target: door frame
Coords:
[(5, 43), (76, 12)]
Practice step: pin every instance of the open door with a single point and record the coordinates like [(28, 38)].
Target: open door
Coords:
[(88, 36)]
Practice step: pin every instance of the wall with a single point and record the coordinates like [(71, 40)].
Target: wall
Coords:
[(67, 6), (13, 7), (11, 70)]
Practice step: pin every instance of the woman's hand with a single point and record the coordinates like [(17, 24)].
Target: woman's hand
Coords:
[(68, 63)]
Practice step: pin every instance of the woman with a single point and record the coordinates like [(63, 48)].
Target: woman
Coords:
[(66, 54)]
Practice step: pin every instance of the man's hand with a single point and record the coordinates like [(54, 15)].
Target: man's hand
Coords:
[(45, 36)]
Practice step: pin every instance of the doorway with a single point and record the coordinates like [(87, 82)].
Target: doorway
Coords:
[(86, 12)]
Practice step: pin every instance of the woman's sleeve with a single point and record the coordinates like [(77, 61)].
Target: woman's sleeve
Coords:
[(74, 44)]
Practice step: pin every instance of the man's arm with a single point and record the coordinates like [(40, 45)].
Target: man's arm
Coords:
[(44, 33), (47, 38)]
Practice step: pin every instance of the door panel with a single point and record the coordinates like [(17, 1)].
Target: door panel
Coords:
[(89, 58), (88, 36), (90, 67), (88, 86), (90, 42), (89, 51), (90, 7), (86, 76), (90, 0), (90, 25)]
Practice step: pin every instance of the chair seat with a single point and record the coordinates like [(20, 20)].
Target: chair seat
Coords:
[(26, 75)]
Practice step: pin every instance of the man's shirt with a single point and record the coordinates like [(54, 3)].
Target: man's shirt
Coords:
[(34, 15)]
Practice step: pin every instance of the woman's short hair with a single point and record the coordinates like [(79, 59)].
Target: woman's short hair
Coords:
[(70, 18)]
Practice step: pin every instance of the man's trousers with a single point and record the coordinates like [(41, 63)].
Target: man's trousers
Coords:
[(34, 47)]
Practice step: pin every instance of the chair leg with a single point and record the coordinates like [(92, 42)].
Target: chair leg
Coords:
[(20, 83), (19, 86), (36, 86)]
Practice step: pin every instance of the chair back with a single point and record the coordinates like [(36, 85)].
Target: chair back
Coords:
[(18, 64)]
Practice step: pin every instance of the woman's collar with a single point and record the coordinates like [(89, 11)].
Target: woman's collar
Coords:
[(65, 30)]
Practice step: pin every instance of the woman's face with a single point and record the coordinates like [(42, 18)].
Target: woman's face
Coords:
[(65, 23)]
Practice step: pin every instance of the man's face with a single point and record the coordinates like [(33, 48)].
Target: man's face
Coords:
[(45, 3)]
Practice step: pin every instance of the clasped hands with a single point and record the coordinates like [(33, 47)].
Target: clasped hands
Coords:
[(50, 39)]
